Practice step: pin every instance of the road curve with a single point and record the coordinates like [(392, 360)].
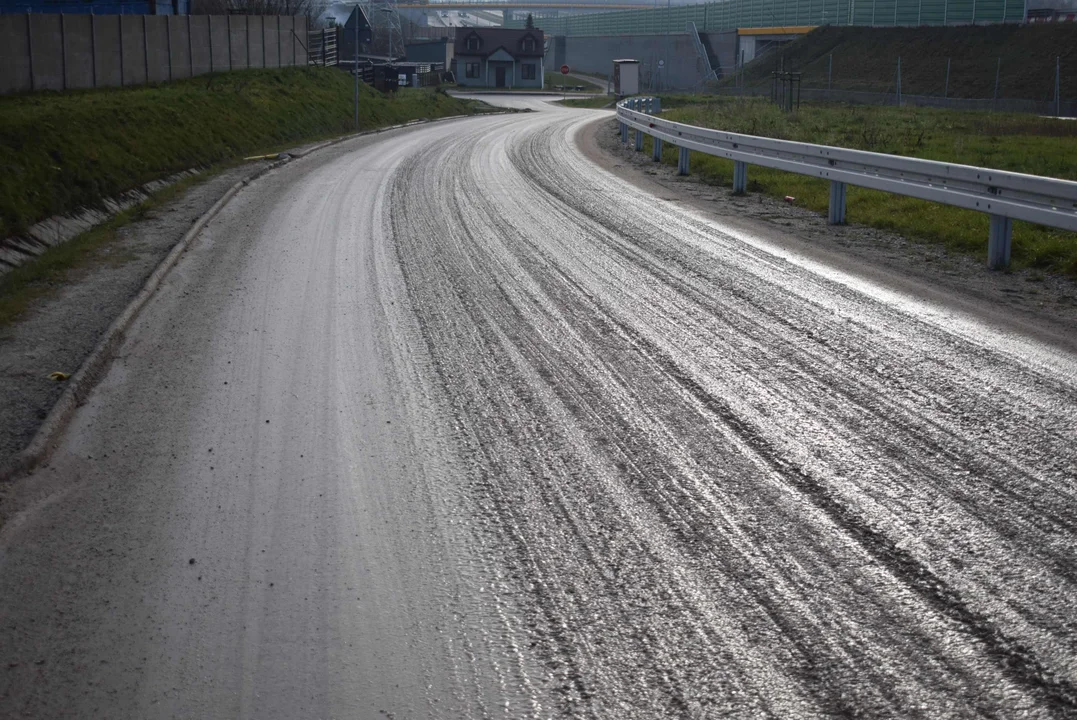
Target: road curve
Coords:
[(450, 422)]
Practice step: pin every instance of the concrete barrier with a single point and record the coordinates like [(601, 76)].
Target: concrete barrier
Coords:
[(63, 52)]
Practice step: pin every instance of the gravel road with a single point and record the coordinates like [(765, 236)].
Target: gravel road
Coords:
[(453, 422)]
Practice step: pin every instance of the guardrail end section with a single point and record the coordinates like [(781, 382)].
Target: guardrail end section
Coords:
[(999, 242)]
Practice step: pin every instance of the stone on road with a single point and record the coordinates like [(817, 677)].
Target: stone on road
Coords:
[(451, 422)]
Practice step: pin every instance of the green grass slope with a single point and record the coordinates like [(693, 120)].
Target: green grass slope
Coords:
[(1021, 143), (866, 59), (59, 152)]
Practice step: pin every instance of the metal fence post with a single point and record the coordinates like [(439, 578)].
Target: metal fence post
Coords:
[(639, 141), (829, 75), (190, 46), (1058, 95), (740, 177), (946, 87), (656, 154), (899, 82), (998, 72), (837, 203), (998, 242), (209, 33), (682, 162), (228, 29)]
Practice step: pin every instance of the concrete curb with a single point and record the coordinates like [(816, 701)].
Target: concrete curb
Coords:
[(92, 369)]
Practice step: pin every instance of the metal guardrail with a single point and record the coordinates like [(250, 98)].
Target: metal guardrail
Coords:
[(1005, 196)]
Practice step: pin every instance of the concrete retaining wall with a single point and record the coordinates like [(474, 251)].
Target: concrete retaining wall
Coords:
[(48, 51)]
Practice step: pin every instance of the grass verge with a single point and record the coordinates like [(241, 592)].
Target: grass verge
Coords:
[(554, 80), (42, 275), (62, 151), (599, 101), (1021, 143)]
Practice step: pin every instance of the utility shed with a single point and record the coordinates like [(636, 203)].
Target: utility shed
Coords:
[(625, 77)]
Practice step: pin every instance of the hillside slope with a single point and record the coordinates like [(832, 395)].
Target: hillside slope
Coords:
[(62, 151), (866, 59)]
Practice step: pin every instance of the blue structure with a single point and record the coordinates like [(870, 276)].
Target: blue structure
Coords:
[(98, 7)]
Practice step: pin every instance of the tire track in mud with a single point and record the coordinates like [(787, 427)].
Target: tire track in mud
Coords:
[(685, 550)]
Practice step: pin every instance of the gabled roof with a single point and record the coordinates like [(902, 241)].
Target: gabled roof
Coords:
[(493, 39)]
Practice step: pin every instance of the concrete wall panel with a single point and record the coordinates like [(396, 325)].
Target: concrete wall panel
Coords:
[(56, 52), (255, 45), (219, 38), (287, 41), (302, 28), (157, 41), (78, 51), (272, 42), (14, 54), (238, 34), (48, 52), (595, 54), (181, 49), (106, 29), (133, 45), (200, 43)]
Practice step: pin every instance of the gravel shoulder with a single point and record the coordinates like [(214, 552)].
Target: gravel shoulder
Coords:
[(63, 328), (1021, 301)]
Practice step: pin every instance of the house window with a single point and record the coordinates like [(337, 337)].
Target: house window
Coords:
[(527, 71), (474, 43), (529, 44), (471, 70)]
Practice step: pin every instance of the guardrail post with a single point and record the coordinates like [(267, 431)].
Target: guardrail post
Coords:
[(657, 106), (740, 177), (624, 133), (682, 162), (657, 154), (998, 242), (639, 141), (837, 203)]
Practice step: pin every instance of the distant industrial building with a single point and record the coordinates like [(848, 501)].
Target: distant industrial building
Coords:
[(434, 52)]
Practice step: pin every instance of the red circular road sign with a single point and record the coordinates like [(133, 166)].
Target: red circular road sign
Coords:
[(564, 69)]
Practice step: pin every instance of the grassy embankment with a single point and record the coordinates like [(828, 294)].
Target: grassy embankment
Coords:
[(1020, 143), (865, 59), (60, 152)]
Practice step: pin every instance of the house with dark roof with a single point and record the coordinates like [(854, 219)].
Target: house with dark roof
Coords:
[(499, 58)]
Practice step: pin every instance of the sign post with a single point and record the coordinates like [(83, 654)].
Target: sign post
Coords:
[(564, 77)]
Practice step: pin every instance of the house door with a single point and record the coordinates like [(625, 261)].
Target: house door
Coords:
[(500, 77)]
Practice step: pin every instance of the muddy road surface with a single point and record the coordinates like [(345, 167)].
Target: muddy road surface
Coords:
[(453, 423)]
